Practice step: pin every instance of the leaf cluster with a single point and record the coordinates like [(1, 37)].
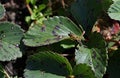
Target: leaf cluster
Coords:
[(62, 48)]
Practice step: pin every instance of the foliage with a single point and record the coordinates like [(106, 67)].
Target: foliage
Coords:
[(86, 12), (114, 10), (10, 36), (46, 62), (59, 48), (36, 11)]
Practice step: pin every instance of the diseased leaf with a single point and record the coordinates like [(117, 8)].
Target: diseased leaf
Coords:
[(91, 58), (54, 30), (10, 36), (97, 42), (94, 54), (48, 63)]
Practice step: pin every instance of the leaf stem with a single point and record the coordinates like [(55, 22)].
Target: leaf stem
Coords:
[(29, 9), (7, 76)]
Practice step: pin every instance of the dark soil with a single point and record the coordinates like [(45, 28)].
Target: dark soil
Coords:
[(15, 12)]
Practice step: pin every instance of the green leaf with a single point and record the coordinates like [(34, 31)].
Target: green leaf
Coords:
[(66, 44), (28, 19), (94, 54), (33, 2), (48, 63), (86, 12), (97, 41), (83, 71), (41, 7), (92, 58), (59, 47), (40, 18), (54, 30), (83, 55), (10, 36), (2, 11), (114, 10), (33, 16), (114, 65), (48, 12)]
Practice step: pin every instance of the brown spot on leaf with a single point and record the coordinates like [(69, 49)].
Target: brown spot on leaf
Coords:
[(1, 45), (90, 62), (58, 37), (57, 27), (94, 55), (60, 22), (96, 67), (37, 42), (43, 28), (9, 47), (47, 41), (54, 33), (15, 33), (99, 58)]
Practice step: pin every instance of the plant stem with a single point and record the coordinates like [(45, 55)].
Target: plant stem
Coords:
[(29, 9), (7, 76)]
